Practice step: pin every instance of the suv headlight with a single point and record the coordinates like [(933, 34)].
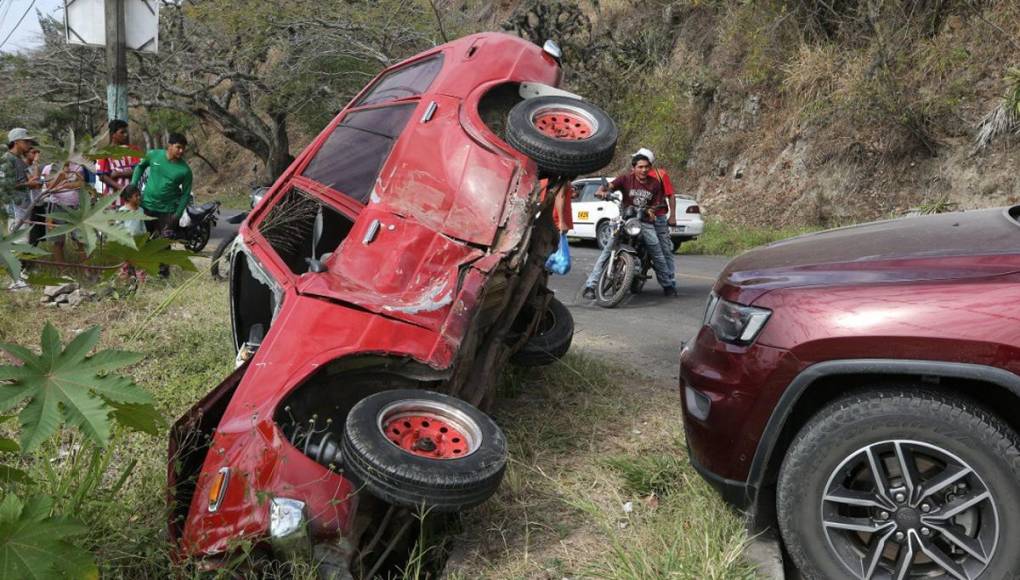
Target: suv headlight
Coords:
[(735, 323)]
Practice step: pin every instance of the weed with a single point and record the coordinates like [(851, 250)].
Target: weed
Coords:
[(727, 239)]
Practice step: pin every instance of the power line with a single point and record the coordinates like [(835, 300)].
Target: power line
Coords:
[(20, 20)]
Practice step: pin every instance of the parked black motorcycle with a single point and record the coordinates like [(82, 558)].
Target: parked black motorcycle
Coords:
[(220, 268), (196, 234)]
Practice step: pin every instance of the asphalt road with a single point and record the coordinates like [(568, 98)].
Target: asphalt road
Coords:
[(646, 329)]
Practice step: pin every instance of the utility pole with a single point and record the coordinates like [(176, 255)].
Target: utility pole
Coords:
[(116, 61)]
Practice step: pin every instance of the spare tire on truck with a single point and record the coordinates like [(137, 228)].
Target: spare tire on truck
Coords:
[(564, 136), (416, 448)]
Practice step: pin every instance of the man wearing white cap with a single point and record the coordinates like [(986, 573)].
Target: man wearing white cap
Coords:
[(663, 217), (642, 191), (15, 181)]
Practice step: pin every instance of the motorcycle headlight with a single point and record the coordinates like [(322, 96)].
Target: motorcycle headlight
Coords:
[(735, 323), (632, 227)]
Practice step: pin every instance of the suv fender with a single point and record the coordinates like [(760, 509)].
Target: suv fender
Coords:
[(756, 477)]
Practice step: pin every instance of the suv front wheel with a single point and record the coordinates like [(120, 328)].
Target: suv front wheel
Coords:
[(902, 484)]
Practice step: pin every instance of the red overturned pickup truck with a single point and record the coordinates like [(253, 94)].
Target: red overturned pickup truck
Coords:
[(376, 291)]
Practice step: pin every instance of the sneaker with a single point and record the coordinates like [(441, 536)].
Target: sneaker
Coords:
[(589, 293), (670, 291), (19, 286)]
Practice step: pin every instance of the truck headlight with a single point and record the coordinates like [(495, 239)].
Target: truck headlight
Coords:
[(735, 323), (288, 527)]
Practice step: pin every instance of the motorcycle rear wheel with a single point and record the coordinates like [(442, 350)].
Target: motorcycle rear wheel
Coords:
[(615, 280), (199, 238)]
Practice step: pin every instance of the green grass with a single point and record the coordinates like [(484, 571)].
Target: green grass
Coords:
[(726, 239), (585, 438)]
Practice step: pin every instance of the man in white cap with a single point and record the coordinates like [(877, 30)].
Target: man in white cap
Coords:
[(645, 193), (663, 217), (15, 182)]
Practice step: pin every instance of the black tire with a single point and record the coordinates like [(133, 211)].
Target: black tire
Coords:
[(615, 280), (638, 283), (603, 234), (551, 340), (562, 155), (198, 239), (220, 268), (930, 431), (403, 478)]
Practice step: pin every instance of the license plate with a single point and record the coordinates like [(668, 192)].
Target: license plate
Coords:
[(677, 229), (582, 215)]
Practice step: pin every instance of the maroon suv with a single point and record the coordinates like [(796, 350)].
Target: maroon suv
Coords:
[(860, 388)]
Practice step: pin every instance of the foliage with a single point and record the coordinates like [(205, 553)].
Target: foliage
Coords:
[(13, 247), (34, 544), (726, 239), (1004, 119), (148, 254), (92, 221), (68, 385)]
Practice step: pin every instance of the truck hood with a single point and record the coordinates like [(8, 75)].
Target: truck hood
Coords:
[(937, 247)]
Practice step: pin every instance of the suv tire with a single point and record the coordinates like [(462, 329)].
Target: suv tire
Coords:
[(551, 340), (934, 433), (398, 469), (543, 128)]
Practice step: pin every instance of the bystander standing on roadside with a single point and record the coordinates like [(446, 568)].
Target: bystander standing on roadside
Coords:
[(131, 200), (37, 207), (167, 189), (63, 190), (115, 172), (15, 182)]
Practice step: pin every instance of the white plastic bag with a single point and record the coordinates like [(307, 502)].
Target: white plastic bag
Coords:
[(185, 219)]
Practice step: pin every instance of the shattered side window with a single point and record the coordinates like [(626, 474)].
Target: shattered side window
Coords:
[(289, 227), (404, 82), (352, 156)]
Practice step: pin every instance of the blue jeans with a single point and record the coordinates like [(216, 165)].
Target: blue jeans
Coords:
[(659, 262), (666, 243)]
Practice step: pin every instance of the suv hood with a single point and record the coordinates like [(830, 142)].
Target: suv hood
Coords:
[(937, 247)]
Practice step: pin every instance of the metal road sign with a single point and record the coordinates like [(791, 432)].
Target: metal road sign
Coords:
[(84, 23)]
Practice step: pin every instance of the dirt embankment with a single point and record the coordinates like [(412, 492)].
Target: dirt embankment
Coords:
[(876, 114)]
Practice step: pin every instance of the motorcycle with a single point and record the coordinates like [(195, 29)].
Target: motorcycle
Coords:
[(202, 219), (220, 268), (629, 261)]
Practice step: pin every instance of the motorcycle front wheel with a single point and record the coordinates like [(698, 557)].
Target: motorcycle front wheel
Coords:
[(615, 280), (199, 238)]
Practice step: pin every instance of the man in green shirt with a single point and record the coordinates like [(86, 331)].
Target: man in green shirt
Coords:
[(168, 187)]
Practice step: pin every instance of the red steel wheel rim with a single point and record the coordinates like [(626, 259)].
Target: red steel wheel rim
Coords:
[(563, 124), (427, 436)]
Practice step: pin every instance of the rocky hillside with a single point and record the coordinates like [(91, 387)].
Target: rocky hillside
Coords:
[(823, 113)]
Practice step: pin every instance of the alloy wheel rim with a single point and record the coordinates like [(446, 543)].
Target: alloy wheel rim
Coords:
[(429, 429), (902, 509)]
